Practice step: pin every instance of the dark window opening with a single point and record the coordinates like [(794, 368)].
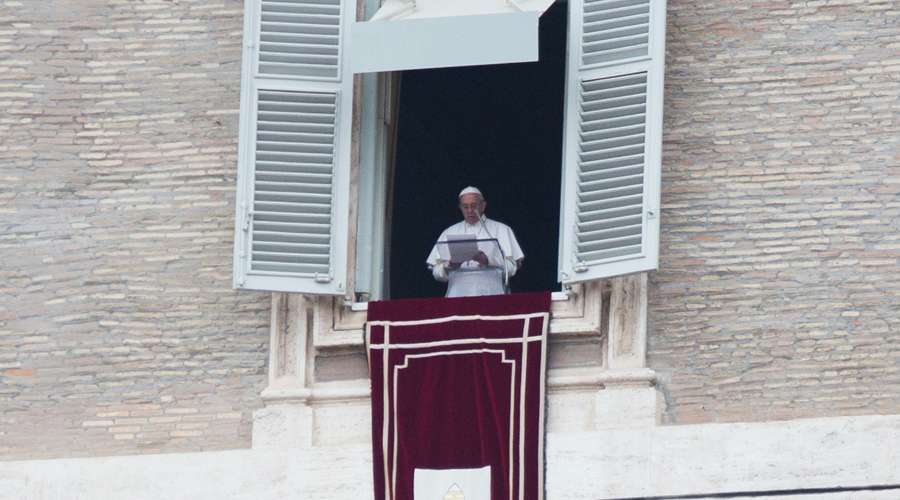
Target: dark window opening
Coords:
[(496, 127)]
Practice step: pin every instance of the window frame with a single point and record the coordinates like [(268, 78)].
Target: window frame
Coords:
[(653, 63)]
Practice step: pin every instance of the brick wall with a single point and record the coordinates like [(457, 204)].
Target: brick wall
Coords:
[(778, 294), (119, 330)]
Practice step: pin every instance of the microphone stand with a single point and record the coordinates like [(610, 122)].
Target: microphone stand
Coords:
[(502, 254)]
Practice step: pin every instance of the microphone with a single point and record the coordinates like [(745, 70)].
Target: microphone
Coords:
[(481, 218)]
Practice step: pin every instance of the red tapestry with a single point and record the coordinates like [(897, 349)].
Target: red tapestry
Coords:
[(458, 397)]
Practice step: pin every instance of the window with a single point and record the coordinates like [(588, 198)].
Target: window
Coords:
[(292, 225), (498, 127)]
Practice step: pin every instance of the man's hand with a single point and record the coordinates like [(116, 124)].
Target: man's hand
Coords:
[(481, 259)]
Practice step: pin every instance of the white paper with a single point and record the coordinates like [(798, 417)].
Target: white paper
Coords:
[(458, 248)]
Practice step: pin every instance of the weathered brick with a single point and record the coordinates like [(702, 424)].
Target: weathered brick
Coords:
[(118, 142), (779, 149)]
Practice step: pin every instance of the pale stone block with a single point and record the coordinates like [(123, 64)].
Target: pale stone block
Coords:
[(283, 426), (620, 407), (570, 411), (343, 423)]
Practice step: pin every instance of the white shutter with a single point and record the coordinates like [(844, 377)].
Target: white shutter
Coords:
[(609, 220), (294, 148)]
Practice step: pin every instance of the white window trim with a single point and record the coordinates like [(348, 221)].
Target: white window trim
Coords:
[(574, 313)]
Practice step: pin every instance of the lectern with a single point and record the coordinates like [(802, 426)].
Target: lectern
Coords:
[(471, 278)]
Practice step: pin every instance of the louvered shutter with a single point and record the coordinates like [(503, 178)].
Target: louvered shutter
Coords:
[(609, 221), (294, 148)]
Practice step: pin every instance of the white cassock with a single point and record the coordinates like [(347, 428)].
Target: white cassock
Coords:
[(471, 279)]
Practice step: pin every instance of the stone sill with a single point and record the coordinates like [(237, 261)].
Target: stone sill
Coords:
[(563, 379)]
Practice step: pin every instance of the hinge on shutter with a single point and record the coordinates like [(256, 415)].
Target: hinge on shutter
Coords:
[(651, 214), (577, 264), (248, 216)]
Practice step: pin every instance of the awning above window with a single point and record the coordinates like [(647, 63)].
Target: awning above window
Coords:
[(415, 34)]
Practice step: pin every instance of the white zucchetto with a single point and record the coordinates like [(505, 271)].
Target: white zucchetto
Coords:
[(470, 190)]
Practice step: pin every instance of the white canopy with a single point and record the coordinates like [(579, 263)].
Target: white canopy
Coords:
[(415, 34)]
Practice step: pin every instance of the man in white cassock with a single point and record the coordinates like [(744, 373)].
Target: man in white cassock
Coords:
[(486, 272)]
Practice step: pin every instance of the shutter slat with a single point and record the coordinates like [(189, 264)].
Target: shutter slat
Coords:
[(589, 116), (308, 48), (295, 127), (613, 142), (612, 127), (262, 215), (300, 28), (294, 177), (293, 189), (611, 173), (289, 4), (624, 99), (628, 11), (594, 5), (609, 213), (287, 136), (611, 237), (599, 256), (284, 269), (322, 151), (285, 247), (285, 110), (626, 40), (282, 237), (621, 202), (291, 257), (611, 177), (286, 207), (301, 19), (300, 59), (300, 39), (611, 153), (604, 243), (602, 165), (298, 158), (615, 182), (293, 197), (303, 8), (604, 56), (293, 227), (278, 186), (293, 168), (277, 5), (614, 31), (606, 194), (604, 24), (609, 223)]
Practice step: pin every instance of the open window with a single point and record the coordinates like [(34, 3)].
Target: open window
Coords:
[(295, 162), (498, 127)]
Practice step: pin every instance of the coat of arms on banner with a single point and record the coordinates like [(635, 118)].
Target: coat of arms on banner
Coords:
[(452, 484)]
